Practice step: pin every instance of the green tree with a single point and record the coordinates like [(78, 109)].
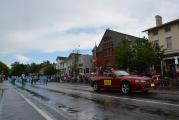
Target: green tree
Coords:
[(124, 55), (18, 69), (139, 55), (4, 69), (50, 70), (34, 68)]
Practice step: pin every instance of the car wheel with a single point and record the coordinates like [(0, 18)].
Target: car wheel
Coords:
[(125, 88), (96, 88)]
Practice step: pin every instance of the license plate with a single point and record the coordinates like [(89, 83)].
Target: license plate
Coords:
[(152, 85), (107, 82)]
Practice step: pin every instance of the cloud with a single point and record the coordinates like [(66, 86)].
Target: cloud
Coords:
[(22, 59), (61, 25)]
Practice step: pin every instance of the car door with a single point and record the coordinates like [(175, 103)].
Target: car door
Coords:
[(117, 82), (108, 82)]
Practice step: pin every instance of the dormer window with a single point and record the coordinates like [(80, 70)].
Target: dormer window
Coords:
[(167, 29)]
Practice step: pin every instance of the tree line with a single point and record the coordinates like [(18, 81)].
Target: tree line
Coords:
[(17, 69)]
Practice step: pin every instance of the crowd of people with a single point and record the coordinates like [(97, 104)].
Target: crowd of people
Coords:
[(32, 79), (72, 78)]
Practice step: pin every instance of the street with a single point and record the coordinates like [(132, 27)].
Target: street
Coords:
[(67, 101)]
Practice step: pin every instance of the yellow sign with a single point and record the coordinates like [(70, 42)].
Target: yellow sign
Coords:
[(107, 82), (152, 85)]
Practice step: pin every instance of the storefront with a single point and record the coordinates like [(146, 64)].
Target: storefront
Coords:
[(169, 61)]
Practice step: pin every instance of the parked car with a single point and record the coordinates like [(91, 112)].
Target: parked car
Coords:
[(121, 80)]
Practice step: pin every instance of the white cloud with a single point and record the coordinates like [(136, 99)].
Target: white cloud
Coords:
[(22, 59), (42, 25)]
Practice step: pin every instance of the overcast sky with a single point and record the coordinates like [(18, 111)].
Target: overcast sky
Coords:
[(37, 30)]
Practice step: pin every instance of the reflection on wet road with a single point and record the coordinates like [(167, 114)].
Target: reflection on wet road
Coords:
[(86, 105)]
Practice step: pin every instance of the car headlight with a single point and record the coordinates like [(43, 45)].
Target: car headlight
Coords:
[(140, 81)]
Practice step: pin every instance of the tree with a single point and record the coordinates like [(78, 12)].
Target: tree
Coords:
[(74, 63), (4, 69), (139, 55), (18, 69), (50, 70), (34, 68), (124, 55)]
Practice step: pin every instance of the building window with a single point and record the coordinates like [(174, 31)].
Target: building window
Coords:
[(155, 43), (155, 32), (167, 29), (108, 54), (110, 51), (87, 70), (80, 70), (80, 65), (168, 42)]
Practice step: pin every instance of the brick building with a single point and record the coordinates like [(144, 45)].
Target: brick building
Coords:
[(105, 51)]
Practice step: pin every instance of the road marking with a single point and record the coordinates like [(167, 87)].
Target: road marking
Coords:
[(47, 117)]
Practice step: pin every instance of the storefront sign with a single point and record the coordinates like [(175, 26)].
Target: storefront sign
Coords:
[(176, 61)]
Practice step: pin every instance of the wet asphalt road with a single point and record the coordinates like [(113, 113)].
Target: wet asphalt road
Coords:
[(14, 107), (79, 102)]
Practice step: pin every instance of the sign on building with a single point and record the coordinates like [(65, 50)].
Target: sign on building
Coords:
[(176, 61)]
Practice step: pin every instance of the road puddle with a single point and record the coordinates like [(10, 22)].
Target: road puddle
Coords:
[(68, 109), (52, 103)]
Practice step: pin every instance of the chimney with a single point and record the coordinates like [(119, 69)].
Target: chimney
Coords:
[(158, 20)]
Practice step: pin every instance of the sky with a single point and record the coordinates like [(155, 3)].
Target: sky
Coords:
[(38, 30)]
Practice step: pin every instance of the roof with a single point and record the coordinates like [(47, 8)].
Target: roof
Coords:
[(162, 25), (73, 54), (115, 37), (61, 58)]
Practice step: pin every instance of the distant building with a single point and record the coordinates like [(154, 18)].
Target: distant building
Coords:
[(104, 54), (166, 35), (43, 66), (61, 65), (82, 64), (85, 64)]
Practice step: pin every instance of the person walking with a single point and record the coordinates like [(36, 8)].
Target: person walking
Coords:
[(23, 79), (32, 80), (45, 80)]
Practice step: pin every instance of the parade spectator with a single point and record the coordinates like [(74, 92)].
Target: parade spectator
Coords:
[(23, 79), (173, 72)]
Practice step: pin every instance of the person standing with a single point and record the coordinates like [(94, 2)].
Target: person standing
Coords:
[(23, 79), (45, 79), (174, 73)]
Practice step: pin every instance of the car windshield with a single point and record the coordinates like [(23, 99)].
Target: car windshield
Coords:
[(121, 73)]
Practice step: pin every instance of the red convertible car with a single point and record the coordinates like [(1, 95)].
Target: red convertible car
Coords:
[(121, 80)]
